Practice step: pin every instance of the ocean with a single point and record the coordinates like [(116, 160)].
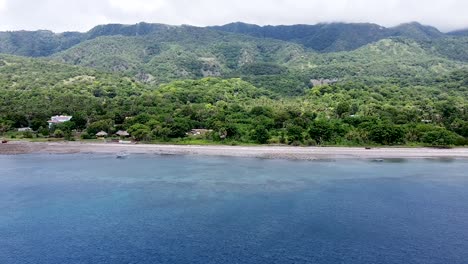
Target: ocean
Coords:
[(88, 208)]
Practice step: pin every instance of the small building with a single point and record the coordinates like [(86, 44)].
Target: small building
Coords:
[(122, 133), (58, 120), (25, 129), (199, 132), (102, 134)]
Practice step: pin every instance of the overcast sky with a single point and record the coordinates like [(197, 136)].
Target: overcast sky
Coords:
[(81, 15)]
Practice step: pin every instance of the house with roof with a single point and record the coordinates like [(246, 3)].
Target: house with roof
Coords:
[(122, 133), (58, 120), (25, 129)]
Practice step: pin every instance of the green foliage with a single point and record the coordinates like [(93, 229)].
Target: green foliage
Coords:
[(262, 69), (27, 134), (155, 54), (440, 137), (101, 125), (385, 133), (321, 37), (294, 133), (140, 132), (260, 134), (38, 123), (161, 132), (322, 131), (451, 48), (178, 127), (242, 89), (460, 127), (44, 131), (343, 108), (211, 90), (181, 53), (86, 135), (261, 111), (58, 133), (80, 120), (293, 83), (335, 36)]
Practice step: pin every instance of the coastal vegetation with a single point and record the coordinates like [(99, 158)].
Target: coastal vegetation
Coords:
[(239, 88)]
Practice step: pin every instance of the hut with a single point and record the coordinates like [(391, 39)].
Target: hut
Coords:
[(122, 133), (102, 134)]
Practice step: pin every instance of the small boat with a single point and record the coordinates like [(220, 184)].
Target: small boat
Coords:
[(4, 141), (122, 155)]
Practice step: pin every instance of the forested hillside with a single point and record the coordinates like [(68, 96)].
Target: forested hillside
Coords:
[(188, 53), (462, 32), (403, 85), (330, 37), (183, 52), (43, 43), (335, 36)]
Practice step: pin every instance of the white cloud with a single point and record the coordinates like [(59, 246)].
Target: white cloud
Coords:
[(60, 15), (2, 5), (138, 6)]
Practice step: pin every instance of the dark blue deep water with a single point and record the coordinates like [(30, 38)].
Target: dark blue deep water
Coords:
[(182, 209)]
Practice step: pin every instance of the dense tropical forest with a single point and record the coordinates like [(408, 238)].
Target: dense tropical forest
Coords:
[(328, 84)]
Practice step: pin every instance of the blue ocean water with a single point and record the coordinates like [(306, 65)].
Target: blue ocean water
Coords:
[(186, 209)]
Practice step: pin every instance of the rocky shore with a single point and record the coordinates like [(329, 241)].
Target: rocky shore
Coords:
[(269, 152)]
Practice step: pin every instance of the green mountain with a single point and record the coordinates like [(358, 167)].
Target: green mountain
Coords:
[(462, 32), (451, 48), (416, 31), (335, 36), (184, 53), (156, 53), (43, 43), (37, 43), (401, 59), (321, 37), (190, 53)]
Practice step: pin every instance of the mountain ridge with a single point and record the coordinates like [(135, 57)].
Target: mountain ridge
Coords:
[(322, 37), (332, 37)]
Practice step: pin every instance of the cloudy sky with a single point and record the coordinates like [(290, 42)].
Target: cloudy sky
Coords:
[(81, 15)]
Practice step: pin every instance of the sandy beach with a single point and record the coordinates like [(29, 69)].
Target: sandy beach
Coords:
[(268, 152)]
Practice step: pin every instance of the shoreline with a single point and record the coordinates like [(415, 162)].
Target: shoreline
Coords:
[(267, 152)]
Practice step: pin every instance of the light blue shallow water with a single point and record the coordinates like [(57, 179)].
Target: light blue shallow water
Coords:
[(181, 209)]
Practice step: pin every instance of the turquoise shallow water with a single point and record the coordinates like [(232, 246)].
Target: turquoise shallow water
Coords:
[(185, 209)]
